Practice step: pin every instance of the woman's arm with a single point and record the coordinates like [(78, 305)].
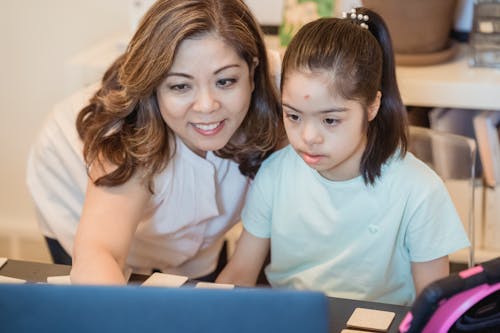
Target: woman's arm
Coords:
[(244, 266), (426, 272), (108, 222)]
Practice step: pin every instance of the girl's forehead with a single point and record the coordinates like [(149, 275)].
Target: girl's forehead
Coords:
[(307, 80), (324, 77), (341, 86)]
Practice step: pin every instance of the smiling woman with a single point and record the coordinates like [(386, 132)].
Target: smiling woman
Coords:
[(204, 101), (157, 167)]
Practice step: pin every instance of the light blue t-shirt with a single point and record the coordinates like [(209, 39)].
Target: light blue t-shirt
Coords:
[(346, 238)]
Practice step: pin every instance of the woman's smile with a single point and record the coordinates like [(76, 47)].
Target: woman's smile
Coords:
[(208, 129)]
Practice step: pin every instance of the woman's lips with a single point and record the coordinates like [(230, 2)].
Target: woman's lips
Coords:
[(208, 129)]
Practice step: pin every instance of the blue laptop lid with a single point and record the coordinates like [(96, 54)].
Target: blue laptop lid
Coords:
[(60, 308)]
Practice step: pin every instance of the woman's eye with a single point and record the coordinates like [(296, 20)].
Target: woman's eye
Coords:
[(331, 121), (224, 83), (179, 87)]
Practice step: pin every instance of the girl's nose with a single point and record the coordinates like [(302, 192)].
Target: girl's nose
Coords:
[(206, 101), (311, 134)]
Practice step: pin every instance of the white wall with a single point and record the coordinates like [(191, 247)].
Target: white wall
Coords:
[(36, 39), (44, 56), (268, 12), (39, 41)]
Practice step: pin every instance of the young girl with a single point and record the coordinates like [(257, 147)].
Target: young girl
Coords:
[(158, 165), (344, 209)]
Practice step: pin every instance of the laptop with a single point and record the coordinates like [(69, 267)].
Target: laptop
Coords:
[(70, 308)]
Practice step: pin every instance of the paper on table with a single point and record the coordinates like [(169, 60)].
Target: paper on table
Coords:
[(165, 280), (61, 279), (8, 279), (371, 319), (210, 285), (2, 261)]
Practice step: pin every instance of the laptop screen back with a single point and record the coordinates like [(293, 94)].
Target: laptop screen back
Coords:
[(59, 308)]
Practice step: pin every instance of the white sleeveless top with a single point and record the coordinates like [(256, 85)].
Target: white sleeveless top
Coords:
[(196, 200)]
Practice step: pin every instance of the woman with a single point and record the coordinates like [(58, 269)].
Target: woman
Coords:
[(180, 123)]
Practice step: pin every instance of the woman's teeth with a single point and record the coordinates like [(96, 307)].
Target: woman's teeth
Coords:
[(207, 127)]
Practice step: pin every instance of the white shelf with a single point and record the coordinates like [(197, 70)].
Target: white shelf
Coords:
[(453, 84)]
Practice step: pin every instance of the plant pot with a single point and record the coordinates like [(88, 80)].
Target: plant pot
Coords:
[(418, 28)]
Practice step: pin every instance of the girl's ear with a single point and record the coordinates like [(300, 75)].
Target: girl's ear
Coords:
[(374, 106)]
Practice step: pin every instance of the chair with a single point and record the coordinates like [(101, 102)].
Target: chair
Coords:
[(453, 158), (487, 131)]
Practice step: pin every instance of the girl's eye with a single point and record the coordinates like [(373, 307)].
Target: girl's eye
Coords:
[(292, 117), (331, 121), (179, 87), (225, 83)]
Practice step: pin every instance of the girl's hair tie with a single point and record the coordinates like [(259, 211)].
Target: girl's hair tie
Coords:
[(359, 19)]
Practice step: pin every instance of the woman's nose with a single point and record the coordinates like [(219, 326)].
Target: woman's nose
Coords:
[(206, 101)]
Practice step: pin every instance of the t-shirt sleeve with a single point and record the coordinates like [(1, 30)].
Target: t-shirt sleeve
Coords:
[(256, 214), (434, 229)]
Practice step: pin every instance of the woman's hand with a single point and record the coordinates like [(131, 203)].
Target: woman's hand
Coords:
[(108, 222)]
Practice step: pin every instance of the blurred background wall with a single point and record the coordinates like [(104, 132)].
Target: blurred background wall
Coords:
[(36, 40), (49, 49)]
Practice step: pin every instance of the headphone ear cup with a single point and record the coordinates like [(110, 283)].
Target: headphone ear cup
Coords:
[(483, 317), (468, 301)]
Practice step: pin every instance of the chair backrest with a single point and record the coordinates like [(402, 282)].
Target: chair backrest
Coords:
[(488, 139), (487, 130), (453, 158)]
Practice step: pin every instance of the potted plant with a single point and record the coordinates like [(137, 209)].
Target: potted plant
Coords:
[(420, 29)]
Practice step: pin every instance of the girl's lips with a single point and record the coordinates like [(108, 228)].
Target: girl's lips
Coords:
[(311, 159), (208, 129)]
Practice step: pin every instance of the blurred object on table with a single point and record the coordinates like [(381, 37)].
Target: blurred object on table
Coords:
[(485, 36)]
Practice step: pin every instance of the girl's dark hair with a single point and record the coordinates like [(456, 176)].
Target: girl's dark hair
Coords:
[(361, 62), (122, 123)]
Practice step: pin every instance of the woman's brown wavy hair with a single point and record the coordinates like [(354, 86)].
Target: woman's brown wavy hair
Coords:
[(122, 124)]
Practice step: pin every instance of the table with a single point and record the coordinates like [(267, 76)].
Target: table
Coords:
[(453, 84), (340, 309)]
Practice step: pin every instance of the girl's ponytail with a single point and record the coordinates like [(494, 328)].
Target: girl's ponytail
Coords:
[(389, 129)]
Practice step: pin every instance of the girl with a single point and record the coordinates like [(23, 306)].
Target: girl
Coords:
[(344, 209), (169, 141)]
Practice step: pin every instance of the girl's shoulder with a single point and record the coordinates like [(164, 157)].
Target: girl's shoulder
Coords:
[(408, 169), (280, 158), (280, 162)]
